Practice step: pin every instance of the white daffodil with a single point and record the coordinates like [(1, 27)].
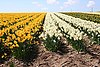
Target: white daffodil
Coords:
[(86, 25)]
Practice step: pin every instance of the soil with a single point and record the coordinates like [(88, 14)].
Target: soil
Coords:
[(67, 57)]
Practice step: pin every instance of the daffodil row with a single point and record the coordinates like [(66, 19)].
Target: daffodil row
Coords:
[(54, 26), (50, 27), (90, 28), (68, 29), (15, 38), (7, 19), (16, 20), (51, 34), (12, 36), (16, 26)]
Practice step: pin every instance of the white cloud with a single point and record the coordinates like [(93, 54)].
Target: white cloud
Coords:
[(37, 4), (70, 2), (52, 2), (91, 4)]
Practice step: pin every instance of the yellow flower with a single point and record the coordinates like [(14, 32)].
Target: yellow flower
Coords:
[(20, 34), (8, 38), (6, 44), (3, 40), (13, 36), (2, 56), (11, 47), (5, 54), (36, 42), (18, 39), (10, 43), (17, 45), (15, 42), (1, 33)]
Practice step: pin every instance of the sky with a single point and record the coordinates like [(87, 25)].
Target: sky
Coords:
[(49, 5)]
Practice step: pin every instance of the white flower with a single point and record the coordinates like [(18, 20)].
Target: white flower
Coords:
[(91, 26), (54, 41)]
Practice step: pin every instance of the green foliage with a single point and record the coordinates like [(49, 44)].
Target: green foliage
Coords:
[(5, 53), (25, 52), (52, 43), (95, 38), (1, 52), (77, 44)]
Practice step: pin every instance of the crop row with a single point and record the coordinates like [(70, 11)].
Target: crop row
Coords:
[(20, 32), (19, 36), (90, 28), (4, 23), (57, 25), (85, 16), (54, 28)]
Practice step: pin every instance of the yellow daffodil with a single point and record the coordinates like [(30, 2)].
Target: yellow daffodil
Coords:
[(17, 45)]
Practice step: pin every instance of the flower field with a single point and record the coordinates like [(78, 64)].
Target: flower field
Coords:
[(20, 33), (17, 30), (85, 16)]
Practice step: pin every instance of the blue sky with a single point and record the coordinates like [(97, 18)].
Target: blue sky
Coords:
[(48, 5)]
